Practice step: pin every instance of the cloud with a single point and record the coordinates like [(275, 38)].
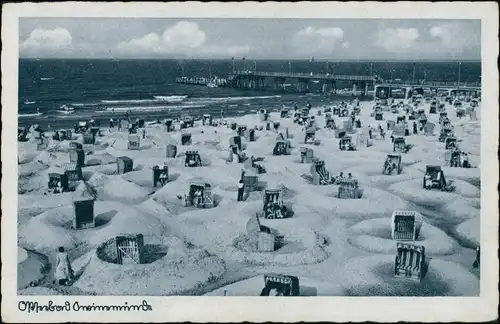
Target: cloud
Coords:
[(397, 39), (318, 41), (184, 38), (149, 43), (47, 40), (445, 39), (454, 37), (183, 35)]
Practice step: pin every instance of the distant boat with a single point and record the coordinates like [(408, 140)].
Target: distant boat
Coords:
[(66, 110), (45, 79)]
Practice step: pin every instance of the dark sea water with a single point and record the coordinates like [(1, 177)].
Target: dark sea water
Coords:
[(90, 85)]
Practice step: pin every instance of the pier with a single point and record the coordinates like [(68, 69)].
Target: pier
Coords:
[(202, 81), (324, 83)]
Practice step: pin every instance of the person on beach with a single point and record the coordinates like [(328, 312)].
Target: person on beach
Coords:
[(111, 123), (465, 160), (64, 273), (382, 133), (370, 132), (477, 262), (58, 187), (198, 197), (164, 175), (428, 181), (241, 190), (407, 130), (119, 124), (415, 128), (349, 176)]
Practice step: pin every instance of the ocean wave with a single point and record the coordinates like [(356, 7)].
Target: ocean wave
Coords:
[(224, 99), (128, 101), (170, 98), (29, 115), (80, 104), (148, 108)]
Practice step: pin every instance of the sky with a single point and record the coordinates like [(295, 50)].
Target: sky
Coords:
[(335, 39)]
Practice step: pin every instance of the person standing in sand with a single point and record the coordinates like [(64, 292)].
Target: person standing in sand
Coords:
[(428, 182), (241, 190), (64, 273)]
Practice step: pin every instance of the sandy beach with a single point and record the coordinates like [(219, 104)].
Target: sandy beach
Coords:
[(336, 247)]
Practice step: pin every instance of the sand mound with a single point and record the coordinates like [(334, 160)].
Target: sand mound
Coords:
[(98, 180), (31, 269), (38, 291), (53, 228), (30, 205), (29, 169), (374, 235), (22, 255), (58, 146), (458, 211), (412, 190), (99, 159), (308, 286), (52, 159), (154, 208), (182, 268), (373, 276), (374, 203), (141, 178), (408, 173), (26, 156), (36, 182), (121, 189), (469, 231), (299, 247), (116, 188), (466, 189), (472, 175)]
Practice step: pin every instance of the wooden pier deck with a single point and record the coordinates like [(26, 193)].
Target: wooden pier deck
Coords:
[(302, 82)]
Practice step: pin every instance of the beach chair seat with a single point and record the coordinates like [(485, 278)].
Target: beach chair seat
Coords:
[(410, 262)]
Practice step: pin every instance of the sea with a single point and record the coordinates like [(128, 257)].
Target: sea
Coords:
[(101, 89)]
